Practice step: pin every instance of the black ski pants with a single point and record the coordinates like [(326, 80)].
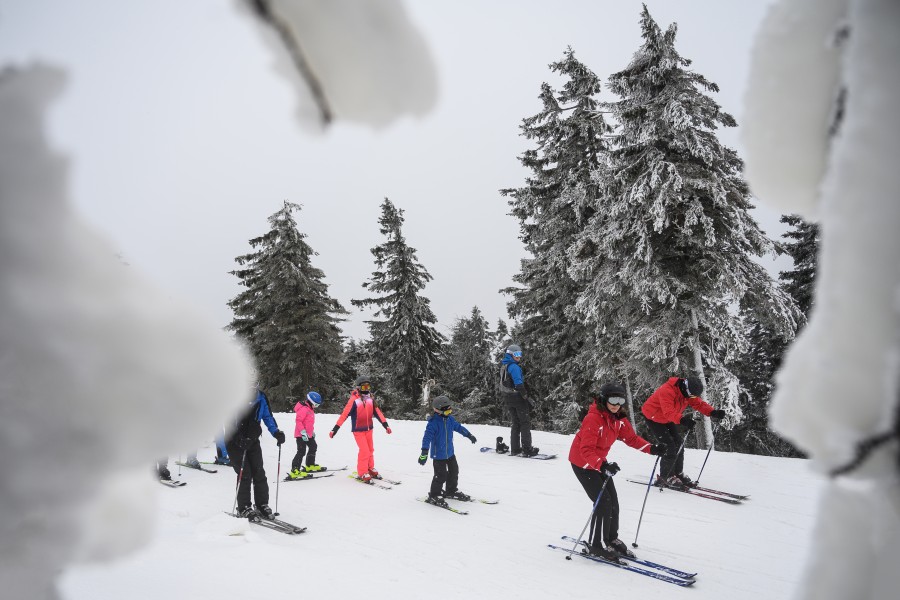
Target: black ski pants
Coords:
[(301, 451), (445, 471), (253, 473), (520, 421), (605, 518), (672, 435)]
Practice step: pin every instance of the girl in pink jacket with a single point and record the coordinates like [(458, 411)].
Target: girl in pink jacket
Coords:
[(306, 437)]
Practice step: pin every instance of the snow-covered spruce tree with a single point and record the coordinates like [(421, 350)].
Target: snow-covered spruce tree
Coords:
[(756, 369), (551, 208), (405, 345), (285, 315), (471, 373), (672, 240)]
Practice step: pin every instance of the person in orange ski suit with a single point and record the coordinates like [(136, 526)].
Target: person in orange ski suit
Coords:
[(362, 410)]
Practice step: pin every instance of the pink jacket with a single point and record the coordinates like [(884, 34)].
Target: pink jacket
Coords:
[(306, 418)]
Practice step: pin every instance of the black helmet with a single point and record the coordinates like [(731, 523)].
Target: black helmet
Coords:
[(440, 402), (361, 380), (694, 386), (610, 390)]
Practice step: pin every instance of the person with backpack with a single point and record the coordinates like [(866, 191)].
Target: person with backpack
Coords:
[(439, 439), (362, 410), (247, 458), (518, 404), (305, 433), (663, 412), (605, 422)]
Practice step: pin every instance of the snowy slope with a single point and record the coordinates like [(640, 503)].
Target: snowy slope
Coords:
[(384, 544)]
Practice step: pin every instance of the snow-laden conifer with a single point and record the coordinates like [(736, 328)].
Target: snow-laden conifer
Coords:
[(471, 371), (285, 315), (405, 344)]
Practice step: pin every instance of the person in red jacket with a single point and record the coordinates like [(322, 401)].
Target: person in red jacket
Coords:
[(605, 423), (362, 410), (663, 411)]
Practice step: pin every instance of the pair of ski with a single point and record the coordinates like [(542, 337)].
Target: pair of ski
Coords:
[(172, 483), (197, 467), (520, 455), (703, 492), (456, 510), (273, 524), (316, 474), (380, 482), (635, 565)]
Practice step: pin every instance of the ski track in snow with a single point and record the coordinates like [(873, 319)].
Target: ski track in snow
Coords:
[(390, 546)]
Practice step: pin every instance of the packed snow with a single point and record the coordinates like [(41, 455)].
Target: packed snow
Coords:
[(385, 544)]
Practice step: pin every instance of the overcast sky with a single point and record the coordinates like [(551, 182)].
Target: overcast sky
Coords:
[(183, 140)]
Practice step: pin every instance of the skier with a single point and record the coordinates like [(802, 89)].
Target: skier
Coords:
[(162, 469), (306, 436), (605, 423), (221, 451), (439, 438), (361, 408), (515, 396), (243, 446), (663, 412)]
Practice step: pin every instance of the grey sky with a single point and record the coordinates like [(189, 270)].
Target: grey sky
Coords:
[(183, 139)]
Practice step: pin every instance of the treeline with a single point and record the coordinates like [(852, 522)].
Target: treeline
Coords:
[(642, 264)]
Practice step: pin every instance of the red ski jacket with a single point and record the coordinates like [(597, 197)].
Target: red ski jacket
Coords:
[(361, 409), (599, 430), (667, 403)]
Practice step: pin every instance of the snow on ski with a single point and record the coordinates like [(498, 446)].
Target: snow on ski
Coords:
[(535, 456), (172, 483), (670, 570), (448, 507), (197, 467), (371, 482), (654, 574), (691, 492)]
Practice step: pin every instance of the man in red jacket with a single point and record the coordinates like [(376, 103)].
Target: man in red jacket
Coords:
[(664, 412)]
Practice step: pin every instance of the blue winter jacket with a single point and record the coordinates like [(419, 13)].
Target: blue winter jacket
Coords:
[(514, 369), (439, 436)]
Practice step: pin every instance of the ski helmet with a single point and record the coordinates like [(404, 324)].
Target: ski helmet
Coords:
[(694, 386), (314, 397), (513, 349), (440, 402), (361, 380), (612, 390)]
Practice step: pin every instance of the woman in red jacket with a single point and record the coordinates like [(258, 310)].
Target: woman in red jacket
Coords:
[(363, 411), (605, 423), (663, 411)]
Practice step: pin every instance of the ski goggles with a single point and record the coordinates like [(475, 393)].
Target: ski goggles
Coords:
[(616, 401), (517, 354), (445, 410), (365, 387)]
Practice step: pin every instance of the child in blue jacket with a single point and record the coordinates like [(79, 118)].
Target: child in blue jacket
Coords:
[(439, 437)]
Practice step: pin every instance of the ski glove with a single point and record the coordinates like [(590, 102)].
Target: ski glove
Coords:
[(386, 427), (610, 469), (687, 421), (658, 449), (279, 437), (424, 456), (333, 431), (472, 438), (717, 414), (303, 436)]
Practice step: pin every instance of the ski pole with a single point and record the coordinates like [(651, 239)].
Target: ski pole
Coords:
[(278, 479), (711, 444), (237, 487), (634, 544), (591, 516)]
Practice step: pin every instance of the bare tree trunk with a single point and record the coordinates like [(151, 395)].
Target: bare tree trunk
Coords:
[(704, 435), (630, 404), (426, 392)]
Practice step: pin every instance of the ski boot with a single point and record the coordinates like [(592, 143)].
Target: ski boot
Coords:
[(374, 474), (501, 448), (620, 547), (265, 512), (607, 554), (458, 495), (530, 451), (246, 512), (193, 462), (297, 474), (437, 501), (222, 460), (163, 474), (365, 478), (315, 468), (686, 481)]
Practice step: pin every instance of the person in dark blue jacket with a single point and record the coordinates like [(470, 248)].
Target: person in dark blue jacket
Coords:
[(439, 437), (518, 404), (247, 459)]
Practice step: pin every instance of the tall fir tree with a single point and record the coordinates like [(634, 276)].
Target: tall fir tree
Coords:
[(757, 368), (471, 372), (552, 207), (405, 344), (671, 245), (285, 316)]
